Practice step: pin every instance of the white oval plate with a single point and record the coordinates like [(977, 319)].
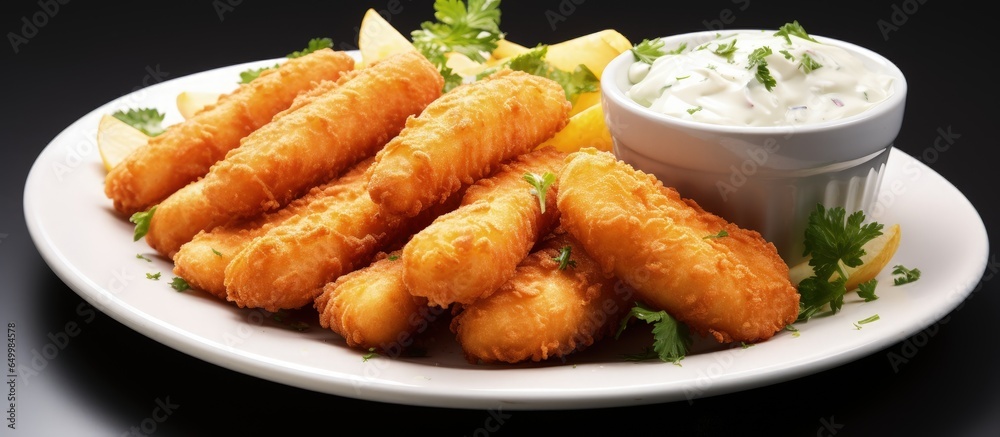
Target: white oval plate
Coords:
[(88, 246)]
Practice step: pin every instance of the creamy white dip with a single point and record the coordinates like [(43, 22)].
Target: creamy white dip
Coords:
[(717, 82)]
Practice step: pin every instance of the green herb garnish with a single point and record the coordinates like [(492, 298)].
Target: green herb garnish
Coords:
[(793, 28), (179, 284), (540, 185), (648, 50), (832, 243), (153, 276), (858, 324), (720, 234), (314, 44), (471, 31), (576, 82), (369, 355), (904, 275), (148, 120), (216, 252), (141, 220), (763, 74), (726, 50), (693, 110), (671, 339), (140, 256), (564, 258), (809, 64), (867, 290)]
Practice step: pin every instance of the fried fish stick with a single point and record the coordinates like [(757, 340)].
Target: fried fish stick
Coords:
[(371, 307), (731, 285), (464, 136), (545, 311), (285, 158), (466, 254), (187, 150), (287, 267), (202, 261)]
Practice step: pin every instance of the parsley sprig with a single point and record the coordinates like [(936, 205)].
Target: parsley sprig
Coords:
[(540, 185), (148, 120), (756, 60), (471, 31), (314, 44), (793, 29), (833, 243), (671, 338), (580, 80), (141, 220), (564, 258)]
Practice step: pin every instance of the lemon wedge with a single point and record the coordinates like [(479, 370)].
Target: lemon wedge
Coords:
[(585, 129), (377, 39), (117, 139), (190, 102), (878, 252)]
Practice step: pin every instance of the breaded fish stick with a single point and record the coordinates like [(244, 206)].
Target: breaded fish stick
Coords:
[(187, 150), (202, 261), (464, 136), (466, 254), (285, 158), (733, 286), (371, 308), (544, 311), (287, 267)]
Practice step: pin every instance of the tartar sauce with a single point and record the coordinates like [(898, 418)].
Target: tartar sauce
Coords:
[(719, 82)]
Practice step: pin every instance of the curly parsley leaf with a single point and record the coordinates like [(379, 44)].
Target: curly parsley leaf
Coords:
[(726, 50), (809, 64), (580, 80), (793, 28), (564, 258), (179, 284), (831, 242), (648, 50), (148, 120), (904, 275), (141, 220), (756, 59), (867, 290), (540, 185), (671, 339), (471, 31)]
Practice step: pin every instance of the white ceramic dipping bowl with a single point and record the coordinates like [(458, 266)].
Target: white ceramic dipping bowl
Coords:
[(765, 178)]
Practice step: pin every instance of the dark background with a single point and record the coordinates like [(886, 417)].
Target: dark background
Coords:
[(108, 379)]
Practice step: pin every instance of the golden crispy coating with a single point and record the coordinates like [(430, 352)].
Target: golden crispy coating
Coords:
[(463, 136), (285, 158), (286, 267), (203, 260), (371, 308), (543, 312), (735, 287), (466, 254), (187, 150)]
